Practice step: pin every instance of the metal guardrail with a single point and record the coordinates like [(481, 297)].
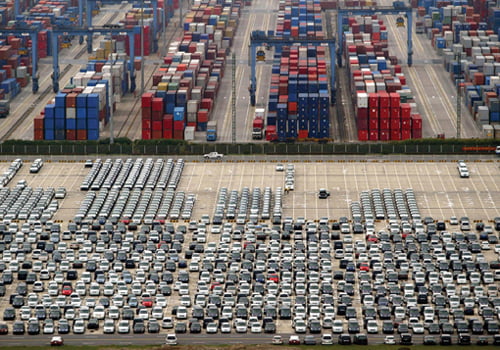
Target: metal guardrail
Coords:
[(138, 148)]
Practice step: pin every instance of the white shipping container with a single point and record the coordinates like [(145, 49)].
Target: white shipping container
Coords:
[(488, 131), (189, 133), (362, 100), (260, 113), (70, 112), (21, 71), (496, 129), (192, 106)]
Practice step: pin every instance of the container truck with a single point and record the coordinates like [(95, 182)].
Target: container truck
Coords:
[(4, 108), (212, 130), (258, 124)]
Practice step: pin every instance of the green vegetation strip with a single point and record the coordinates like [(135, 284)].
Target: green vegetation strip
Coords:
[(180, 147)]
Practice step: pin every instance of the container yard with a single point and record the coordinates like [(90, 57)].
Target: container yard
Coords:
[(191, 71)]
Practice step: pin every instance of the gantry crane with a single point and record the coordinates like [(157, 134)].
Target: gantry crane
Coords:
[(56, 32), (260, 38), (398, 8), (90, 5), (23, 28)]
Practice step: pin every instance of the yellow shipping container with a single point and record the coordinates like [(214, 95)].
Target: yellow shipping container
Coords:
[(163, 86)]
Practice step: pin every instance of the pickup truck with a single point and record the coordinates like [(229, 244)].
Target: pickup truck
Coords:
[(213, 155)]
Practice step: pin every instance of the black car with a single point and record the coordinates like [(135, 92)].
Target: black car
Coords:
[(482, 341), (4, 329), (353, 327), (33, 328), (387, 327), (93, 324), (323, 194), (270, 327), (195, 327), (180, 327), (314, 327), (18, 328), (9, 314), (153, 326), (138, 326), (345, 339), (429, 340)]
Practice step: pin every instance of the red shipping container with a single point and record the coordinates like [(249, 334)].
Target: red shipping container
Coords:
[(384, 113), (146, 123), (384, 99), (303, 134), (384, 135), (373, 113), (362, 123), (71, 134), (292, 107), (405, 111), (157, 104), (395, 113), (38, 122), (168, 133), (363, 135), (416, 134), (384, 124), (38, 134), (147, 99), (373, 135), (81, 135), (178, 134), (156, 134), (416, 121), (395, 99), (373, 100), (395, 124), (157, 125), (146, 113), (362, 113), (202, 116), (373, 124), (395, 135), (168, 122), (405, 134), (157, 115), (405, 124), (179, 125), (146, 134)]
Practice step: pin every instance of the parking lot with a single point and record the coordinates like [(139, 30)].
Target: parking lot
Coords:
[(163, 245)]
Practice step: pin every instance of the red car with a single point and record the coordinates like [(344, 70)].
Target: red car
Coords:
[(273, 277), (4, 329), (147, 302), (67, 290), (364, 267), (56, 341)]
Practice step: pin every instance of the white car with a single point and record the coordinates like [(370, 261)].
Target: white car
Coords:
[(171, 339), (327, 339), (277, 340), (213, 155), (389, 340), (338, 326), (109, 326), (123, 326), (256, 327), (497, 150), (280, 167)]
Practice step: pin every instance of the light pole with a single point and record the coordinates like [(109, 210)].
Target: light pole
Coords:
[(142, 47)]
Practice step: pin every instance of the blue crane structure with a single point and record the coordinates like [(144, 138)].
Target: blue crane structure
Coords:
[(56, 32), (398, 8), (90, 5), (23, 28), (260, 38)]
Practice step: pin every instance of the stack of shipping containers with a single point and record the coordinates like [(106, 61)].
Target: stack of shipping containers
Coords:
[(185, 86), (466, 34), (383, 104), (82, 108), (298, 106)]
